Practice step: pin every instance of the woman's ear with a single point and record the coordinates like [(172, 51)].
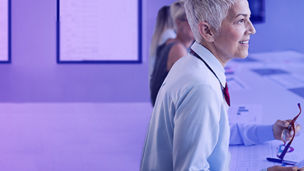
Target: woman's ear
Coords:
[(206, 31)]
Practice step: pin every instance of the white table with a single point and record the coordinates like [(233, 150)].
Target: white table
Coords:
[(265, 83)]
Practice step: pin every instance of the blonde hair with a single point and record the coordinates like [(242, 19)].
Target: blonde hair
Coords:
[(211, 11), (177, 11), (163, 22)]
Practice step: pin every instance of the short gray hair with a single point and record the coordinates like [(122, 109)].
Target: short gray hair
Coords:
[(211, 11)]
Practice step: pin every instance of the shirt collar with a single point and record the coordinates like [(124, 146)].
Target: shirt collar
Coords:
[(211, 60)]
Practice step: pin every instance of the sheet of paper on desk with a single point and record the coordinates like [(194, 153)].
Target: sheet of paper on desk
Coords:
[(287, 81), (247, 113), (253, 158)]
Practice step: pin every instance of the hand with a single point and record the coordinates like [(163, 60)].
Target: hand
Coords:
[(280, 128), (280, 168)]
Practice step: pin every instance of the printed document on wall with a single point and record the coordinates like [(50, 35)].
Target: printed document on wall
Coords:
[(98, 30)]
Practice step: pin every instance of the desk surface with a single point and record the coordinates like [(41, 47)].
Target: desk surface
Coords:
[(271, 84)]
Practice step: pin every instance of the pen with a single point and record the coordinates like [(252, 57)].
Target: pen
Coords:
[(286, 162)]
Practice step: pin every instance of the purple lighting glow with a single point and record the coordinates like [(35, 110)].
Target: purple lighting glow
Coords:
[(4, 30)]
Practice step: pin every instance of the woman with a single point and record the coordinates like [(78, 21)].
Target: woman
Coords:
[(172, 50), (163, 31), (189, 128)]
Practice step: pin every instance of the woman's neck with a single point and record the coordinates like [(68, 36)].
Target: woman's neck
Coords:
[(212, 48), (186, 42)]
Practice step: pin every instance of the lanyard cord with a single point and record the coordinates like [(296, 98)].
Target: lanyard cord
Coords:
[(224, 89), (197, 56)]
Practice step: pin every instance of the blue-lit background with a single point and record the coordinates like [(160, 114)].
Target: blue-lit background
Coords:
[(34, 74), (257, 8), (107, 131)]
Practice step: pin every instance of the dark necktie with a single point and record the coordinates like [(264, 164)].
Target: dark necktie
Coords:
[(226, 94)]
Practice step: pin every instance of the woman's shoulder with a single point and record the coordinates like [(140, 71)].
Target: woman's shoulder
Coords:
[(177, 48)]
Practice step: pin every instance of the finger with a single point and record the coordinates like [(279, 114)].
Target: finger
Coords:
[(294, 168), (290, 133), (288, 139), (284, 123), (288, 120), (286, 135), (298, 127)]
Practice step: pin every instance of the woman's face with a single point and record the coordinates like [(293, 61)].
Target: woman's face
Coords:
[(232, 39), (184, 29)]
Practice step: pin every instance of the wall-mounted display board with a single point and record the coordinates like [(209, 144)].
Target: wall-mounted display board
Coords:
[(99, 31)]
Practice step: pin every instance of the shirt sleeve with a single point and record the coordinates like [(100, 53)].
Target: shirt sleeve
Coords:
[(250, 134), (197, 130)]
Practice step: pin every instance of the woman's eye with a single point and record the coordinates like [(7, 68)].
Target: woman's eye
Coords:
[(241, 21)]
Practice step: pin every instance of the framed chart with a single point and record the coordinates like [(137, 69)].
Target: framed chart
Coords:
[(5, 56), (99, 31)]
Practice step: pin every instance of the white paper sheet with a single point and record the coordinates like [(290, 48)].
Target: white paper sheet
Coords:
[(287, 81), (247, 113), (98, 30)]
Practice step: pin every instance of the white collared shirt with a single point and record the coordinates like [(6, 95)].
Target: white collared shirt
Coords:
[(189, 128)]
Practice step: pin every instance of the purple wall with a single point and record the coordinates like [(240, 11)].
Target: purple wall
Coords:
[(34, 75), (283, 29)]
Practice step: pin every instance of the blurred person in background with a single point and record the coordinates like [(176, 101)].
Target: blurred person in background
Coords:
[(163, 31), (172, 50)]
